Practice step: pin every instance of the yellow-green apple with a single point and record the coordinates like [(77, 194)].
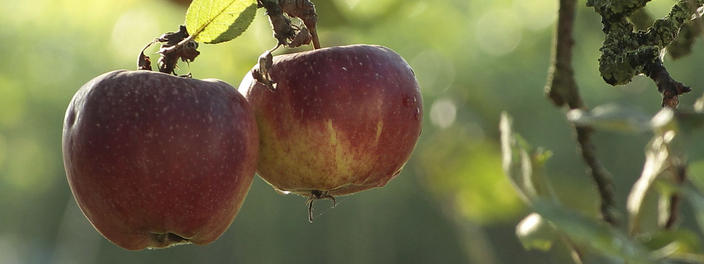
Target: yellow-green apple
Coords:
[(336, 120), (155, 160)]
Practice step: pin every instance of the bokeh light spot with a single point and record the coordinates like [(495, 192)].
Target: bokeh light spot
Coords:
[(443, 113), (536, 14), (498, 32), (435, 72)]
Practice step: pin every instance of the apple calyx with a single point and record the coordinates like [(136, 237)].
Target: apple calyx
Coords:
[(163, 240), (317, 195)]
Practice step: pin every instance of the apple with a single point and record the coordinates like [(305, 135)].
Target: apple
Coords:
[(336, 120), (155, 160)]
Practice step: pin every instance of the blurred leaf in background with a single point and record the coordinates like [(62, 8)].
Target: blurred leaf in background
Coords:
[(466, 172)]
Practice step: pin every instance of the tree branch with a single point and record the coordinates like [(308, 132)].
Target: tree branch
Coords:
[(668, 87), (627, 52), (562, 89)]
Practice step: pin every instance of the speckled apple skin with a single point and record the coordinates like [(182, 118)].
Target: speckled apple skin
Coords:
[(341, 119), (149, 153)]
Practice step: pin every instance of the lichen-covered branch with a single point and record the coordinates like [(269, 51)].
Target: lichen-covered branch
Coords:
[(641, 19), (682, 46), (627, 52), (562, 89)]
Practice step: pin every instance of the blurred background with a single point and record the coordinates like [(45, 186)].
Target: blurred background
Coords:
[(451, 204)]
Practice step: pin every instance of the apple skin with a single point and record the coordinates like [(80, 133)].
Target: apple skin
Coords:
[(155, 160), (340, 120)]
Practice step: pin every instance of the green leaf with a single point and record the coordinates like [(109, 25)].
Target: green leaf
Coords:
[(696, 173), (535, 233), (611, 117), (697, 202), (669, 242), (523, 164), (592, 232), (215, 21)]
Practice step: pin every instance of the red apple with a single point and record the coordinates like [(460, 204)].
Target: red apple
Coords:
[(155, 160), (337, 120)]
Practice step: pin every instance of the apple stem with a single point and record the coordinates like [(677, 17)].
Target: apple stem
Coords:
[(317, 195), (309, 203)]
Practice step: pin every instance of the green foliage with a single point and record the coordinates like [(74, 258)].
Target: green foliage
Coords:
[(670, 242), (592, 232), (215, 21), (539, 231), (697, 201), (467, 173), (523, 164)]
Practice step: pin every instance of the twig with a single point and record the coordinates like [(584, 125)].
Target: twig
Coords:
[(680, 176), (599, 174), (562, 89), (669, 88)]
